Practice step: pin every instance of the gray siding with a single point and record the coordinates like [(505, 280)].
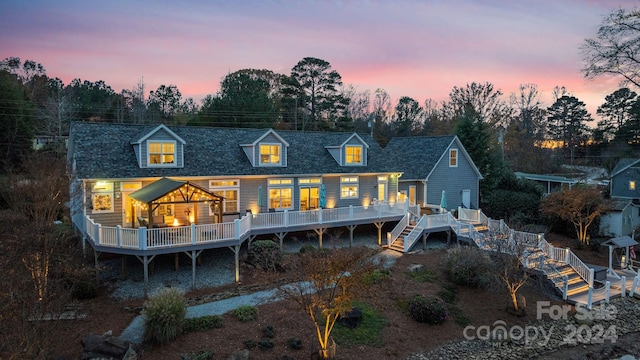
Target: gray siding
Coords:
[(162, 135), (270, 139), (620, 184), (453, 180)]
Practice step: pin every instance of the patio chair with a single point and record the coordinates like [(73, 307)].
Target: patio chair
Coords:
[(142, 221)]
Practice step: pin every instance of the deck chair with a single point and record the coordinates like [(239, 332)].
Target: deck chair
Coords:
[(142, 221)]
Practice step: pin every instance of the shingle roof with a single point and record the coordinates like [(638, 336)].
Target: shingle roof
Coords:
[(623, 164), (105, 151), (422, 150)]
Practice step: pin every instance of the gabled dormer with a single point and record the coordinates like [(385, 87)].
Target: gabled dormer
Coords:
[(159, 148), (352, 152), (269, 150)]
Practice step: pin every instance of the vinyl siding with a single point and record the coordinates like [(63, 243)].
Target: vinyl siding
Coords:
[(162, 135), (453, 180), (620, 184)]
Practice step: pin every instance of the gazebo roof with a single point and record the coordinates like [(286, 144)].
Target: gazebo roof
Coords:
[(158, 189), (620, 242)]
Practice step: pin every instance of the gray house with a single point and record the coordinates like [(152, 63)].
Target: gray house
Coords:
[(431, 165), (624, 217)]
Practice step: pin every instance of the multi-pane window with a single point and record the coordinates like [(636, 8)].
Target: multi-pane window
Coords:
[(102, 197), (453, 157), (270, 154), (161, 153), (353, 155), (348, 187), (229, 190), (280, 194)]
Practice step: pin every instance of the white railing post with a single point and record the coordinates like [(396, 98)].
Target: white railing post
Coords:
[(193, 234), (97, 233), (406, 205), (350, 212), (142, 237), (607, 292), (388, 238), (633, 286), (565, 289), (590, 281), (623, 280), (236, 226), (286, 218), (566, 255), (118, 235), (590, 298), (320, 216)]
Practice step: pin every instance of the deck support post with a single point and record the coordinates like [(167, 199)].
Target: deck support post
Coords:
[(281, 236), (176, 262), (425, 235), (319, 232), (96, 255), (194, 255), (251, 238), (449, 236), (84, 246), (379, 225), (123, 274), (351, 228), (236, 253)]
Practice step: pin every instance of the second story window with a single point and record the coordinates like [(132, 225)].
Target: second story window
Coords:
[(632, 185), (162, 153), (453, 158), (270, 154), (353, 155)]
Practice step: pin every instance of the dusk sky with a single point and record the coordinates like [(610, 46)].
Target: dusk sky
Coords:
[(420, 49)]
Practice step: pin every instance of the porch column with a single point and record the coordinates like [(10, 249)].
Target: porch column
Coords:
[(379, 225)]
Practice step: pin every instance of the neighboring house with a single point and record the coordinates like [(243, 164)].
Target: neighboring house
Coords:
[(549, 183), (431, 165), (625, 194)]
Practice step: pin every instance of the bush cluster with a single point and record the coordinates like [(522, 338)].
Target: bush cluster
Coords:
[(266, 254), (246, 313), (164, 315), (469, 266), (430, 309), (203, 323)]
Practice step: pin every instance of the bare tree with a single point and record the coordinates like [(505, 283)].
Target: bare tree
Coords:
[(615, 52), (332, 279)]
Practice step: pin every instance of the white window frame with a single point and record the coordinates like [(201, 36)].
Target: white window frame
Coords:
[(103, 190), (280, 154), (279, 184), (227, 185), (347, 155), (453, 157), (162, 154), (349, 187)]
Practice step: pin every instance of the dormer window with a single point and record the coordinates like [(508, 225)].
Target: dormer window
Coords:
[(270, 154), (162, 153), (353, 155)]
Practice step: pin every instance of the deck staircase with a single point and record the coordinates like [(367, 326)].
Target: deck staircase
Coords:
[(398, 244)]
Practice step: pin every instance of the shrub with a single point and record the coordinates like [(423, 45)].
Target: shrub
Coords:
[(430, 310), (265, 344), (246, 313), (423, 276), (200, 355), (294, 343), (203, 323), (469, 266), (377, 276), (84, 290), (265, 254), (250, 344), (307, 248), (164, 315), (269, 331)]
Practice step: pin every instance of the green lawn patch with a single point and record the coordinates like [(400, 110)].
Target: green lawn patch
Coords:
[(368, 332)]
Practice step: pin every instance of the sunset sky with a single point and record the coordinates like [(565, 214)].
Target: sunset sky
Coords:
[(420, 49)]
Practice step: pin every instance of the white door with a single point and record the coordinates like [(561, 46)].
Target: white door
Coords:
[(466, 198)]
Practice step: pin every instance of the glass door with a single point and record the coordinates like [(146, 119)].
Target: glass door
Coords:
[(309, 198)]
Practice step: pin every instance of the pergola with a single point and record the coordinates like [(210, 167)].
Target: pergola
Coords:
[(184, 192), (619, 243)]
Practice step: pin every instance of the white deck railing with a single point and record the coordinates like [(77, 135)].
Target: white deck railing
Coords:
[(144, 239), (398, 229)]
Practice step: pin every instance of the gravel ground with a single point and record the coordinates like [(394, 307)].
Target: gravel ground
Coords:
[(217, 265)]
